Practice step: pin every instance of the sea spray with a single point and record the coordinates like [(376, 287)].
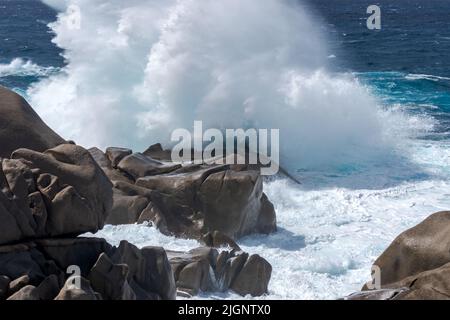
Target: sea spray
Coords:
[(139, 69)]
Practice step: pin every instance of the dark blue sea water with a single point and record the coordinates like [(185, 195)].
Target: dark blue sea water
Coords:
[(24, 34), (406, 62)]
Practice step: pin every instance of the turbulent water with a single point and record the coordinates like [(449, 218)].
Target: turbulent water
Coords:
[(364, 115)]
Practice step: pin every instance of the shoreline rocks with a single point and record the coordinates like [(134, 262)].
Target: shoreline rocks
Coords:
[(186, 201), (416, 266), (52, 191), (206, 269), (59, 192), (40, 270)]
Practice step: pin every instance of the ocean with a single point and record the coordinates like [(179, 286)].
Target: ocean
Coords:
[(364, 114)]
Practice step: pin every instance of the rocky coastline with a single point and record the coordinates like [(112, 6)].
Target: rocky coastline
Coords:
[(52, 191)]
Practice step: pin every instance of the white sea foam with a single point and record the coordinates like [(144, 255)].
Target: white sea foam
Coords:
[(139, 69), (22, 68), (413, 76), (329, 236)]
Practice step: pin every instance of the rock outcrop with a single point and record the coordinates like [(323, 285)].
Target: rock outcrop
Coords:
[(52, 191), (59, 192), (41, 270), (187, 201), (206, 270), (416, 265), (21, 127)]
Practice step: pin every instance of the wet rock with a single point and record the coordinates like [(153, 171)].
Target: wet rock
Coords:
[(19, 283), (206, 270), (49, 288), (229, 265), (254, 277), (4, 287), (150, 275), (217, 239), (197, 200), (110, 280)]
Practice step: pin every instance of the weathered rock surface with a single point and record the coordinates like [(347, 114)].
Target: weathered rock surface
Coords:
[(253, 278), (21, 127), (61, 191), (51, 191), (40, 270), (417, 264), (26, 293), (187, 201), (418, 249), (206, 270), (18, 284), (138, 165), (382, 294), (217, 239), (111, 280)]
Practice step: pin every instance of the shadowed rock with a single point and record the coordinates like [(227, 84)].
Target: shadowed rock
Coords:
[(4, 286), (26, 293), (111, 280), (217, 239), (18, 284), (123, 273), (205, 270), (254, 277)]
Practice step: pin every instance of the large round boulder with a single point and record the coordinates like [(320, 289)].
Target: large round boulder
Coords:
[(21, 127)]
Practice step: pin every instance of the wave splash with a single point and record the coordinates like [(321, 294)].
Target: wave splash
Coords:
[(19, 67), (139, 69)]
